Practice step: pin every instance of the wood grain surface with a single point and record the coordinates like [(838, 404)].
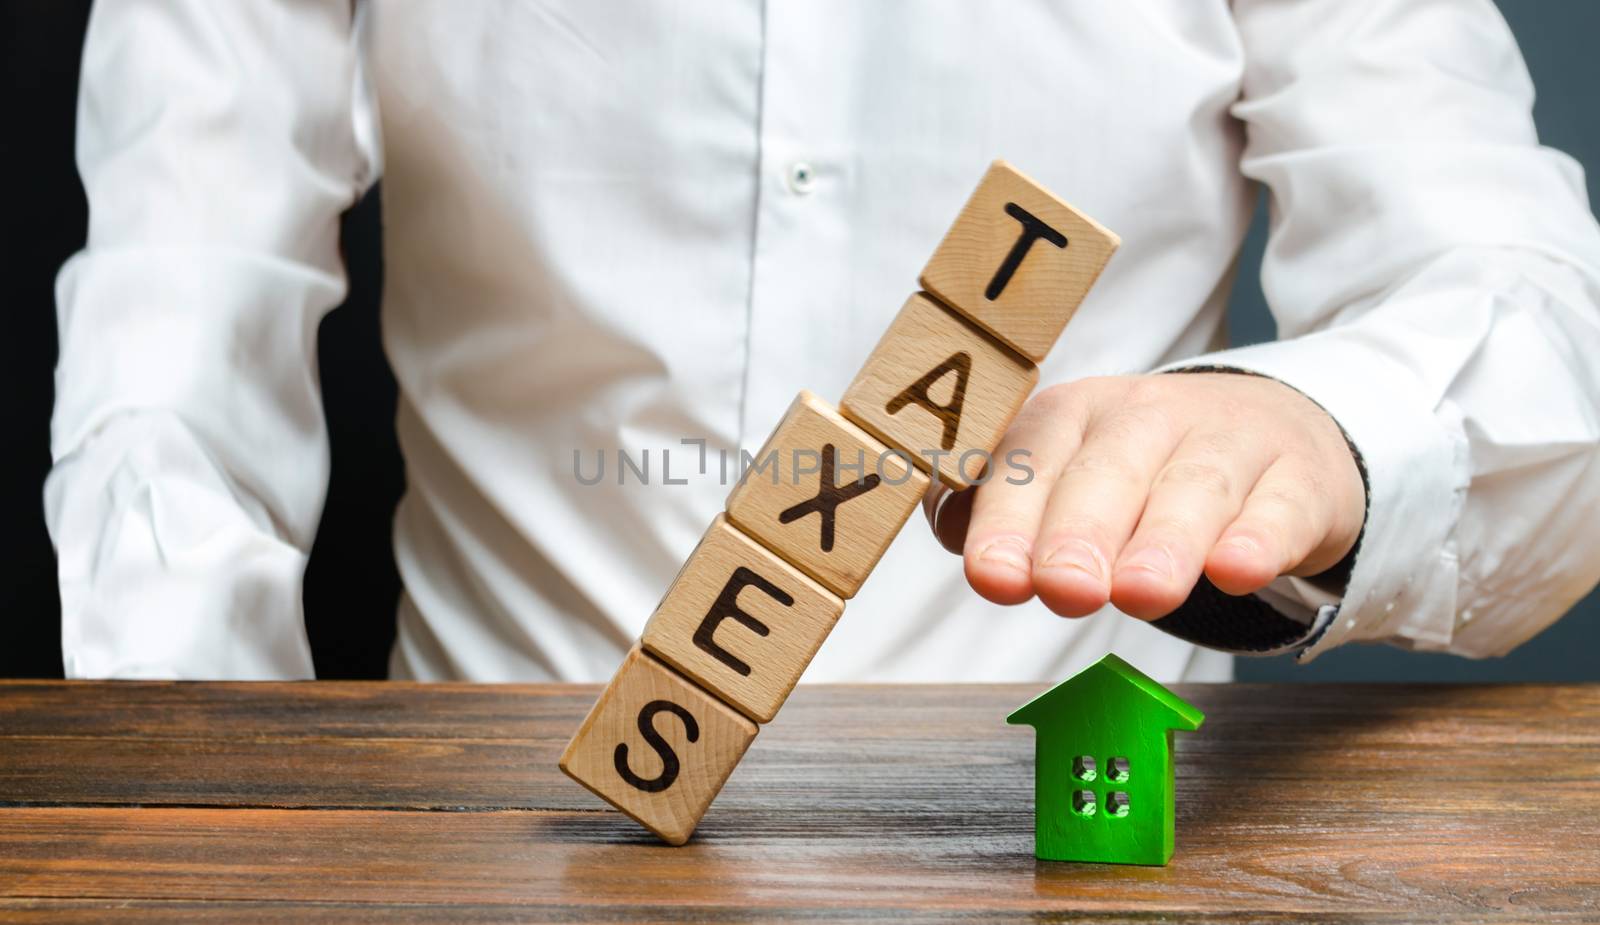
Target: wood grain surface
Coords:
[(324, 802)]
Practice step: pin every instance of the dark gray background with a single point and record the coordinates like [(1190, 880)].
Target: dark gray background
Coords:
[(351, 584)]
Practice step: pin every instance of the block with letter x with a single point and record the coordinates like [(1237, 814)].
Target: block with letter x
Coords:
[(827, 493), (828, 498)]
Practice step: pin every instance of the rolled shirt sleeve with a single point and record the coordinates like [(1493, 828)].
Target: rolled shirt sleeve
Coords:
[(218, 144), (1435, 276)]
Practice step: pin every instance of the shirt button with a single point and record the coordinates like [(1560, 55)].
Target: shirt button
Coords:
[(802, 178)]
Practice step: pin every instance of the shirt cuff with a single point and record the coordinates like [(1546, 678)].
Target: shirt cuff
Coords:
[(1402, 584), (1266, 623)]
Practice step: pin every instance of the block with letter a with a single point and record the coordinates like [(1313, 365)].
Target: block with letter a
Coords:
[(762, 591), (939, 389)]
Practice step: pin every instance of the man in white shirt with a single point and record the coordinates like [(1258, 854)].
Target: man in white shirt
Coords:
[(623, 226)]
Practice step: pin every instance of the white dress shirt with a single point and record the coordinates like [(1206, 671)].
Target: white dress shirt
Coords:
[(619, 225)]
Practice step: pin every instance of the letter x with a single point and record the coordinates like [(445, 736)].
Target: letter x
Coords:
[(828, 497)]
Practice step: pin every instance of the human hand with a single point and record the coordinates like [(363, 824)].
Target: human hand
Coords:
[(1141, 483)]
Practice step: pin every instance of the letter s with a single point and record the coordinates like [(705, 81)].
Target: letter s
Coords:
[(669, 758), (1013, 460)]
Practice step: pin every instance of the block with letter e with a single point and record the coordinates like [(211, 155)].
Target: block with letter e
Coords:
[(741, 622), (940, 389), (657, 747), (827, 497), (1018, 261)]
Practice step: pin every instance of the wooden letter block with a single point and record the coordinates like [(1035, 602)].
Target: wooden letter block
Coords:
[(939, 389), (827, 498), (741, 622), (1018, 261), (657, 747)]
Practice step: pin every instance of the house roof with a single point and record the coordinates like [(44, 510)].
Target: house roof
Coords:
[(1175, 712)]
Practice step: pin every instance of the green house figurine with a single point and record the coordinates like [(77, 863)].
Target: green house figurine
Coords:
[(1103, 770)]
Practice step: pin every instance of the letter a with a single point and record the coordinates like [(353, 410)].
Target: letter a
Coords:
[(917, 393)]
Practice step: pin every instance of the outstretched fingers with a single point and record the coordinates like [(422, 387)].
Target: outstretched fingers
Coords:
[(1141, 485), (1285, 527), (1197, 493), (1006, 511), (1095, 505)]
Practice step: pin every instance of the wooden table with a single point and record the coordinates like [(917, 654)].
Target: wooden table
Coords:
[(326, 802)]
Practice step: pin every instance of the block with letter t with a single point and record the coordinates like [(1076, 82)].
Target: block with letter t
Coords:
[(1018, 261)]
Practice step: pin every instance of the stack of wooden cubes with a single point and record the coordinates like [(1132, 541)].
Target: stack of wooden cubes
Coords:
[(769, 579)]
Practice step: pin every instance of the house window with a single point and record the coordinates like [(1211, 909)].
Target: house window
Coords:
[(1086, 770)]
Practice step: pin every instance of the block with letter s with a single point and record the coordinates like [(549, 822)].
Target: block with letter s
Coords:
[(657, 747)]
